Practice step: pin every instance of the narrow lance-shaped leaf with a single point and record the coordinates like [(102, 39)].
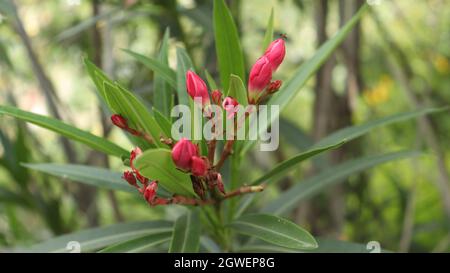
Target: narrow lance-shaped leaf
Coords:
[(85, 24), (211, 82), (207, 244), (296, 136), (359, 130), (283, 167), (300, 77), (97, 177), (325, 246), (98, 77), (101, 80), (162, 94), (93, 141), (157, 66), (268, 36), (228, 47), (237, 90), (123, 102), (275, 230), (93, 176), (140, 244), (157, 164), (336, 174), (95, 238), (184, 64), (186, 234), (163, 122)]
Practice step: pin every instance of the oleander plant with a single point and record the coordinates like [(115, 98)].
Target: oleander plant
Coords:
[(201, 181)]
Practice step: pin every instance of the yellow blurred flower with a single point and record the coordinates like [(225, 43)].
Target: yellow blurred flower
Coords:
[(380, 92), (441, 64)]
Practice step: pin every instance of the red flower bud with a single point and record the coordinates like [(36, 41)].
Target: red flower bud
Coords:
[(119, 121), (216, 97), (150, 192), (274, 86), (198, 166), (134, 153), (129, 177), (182, 153), (196, 87), (229, 104), (260, 76), (275, 53), (219, 183)]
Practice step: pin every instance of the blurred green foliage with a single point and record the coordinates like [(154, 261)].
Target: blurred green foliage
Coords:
[(33, 206)]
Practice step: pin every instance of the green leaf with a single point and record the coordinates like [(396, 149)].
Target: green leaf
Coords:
[(98, 77), (336, 246), (353, 132), (301, 76), (162, 95), (186, 234), (141, 244), (207, 244), (275, 230), (283, 167), (333, 175), (228, 48), (163, 70), (268, 36), (157, 164), (123, 102), (95, 238), (8, 8), (93, 176), (325, 246), (296, 136), (9, 197), (184, 64), (237, 90), (93, 141), (85, 24), (163, 123), (211, 82)]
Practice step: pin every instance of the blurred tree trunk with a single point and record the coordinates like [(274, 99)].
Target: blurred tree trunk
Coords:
[(332, 112), (89, 194), (46, 85)]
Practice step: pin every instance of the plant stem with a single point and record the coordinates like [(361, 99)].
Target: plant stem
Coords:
[(227, 151)]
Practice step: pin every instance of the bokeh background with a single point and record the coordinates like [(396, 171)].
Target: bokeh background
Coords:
[(397, 59)]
